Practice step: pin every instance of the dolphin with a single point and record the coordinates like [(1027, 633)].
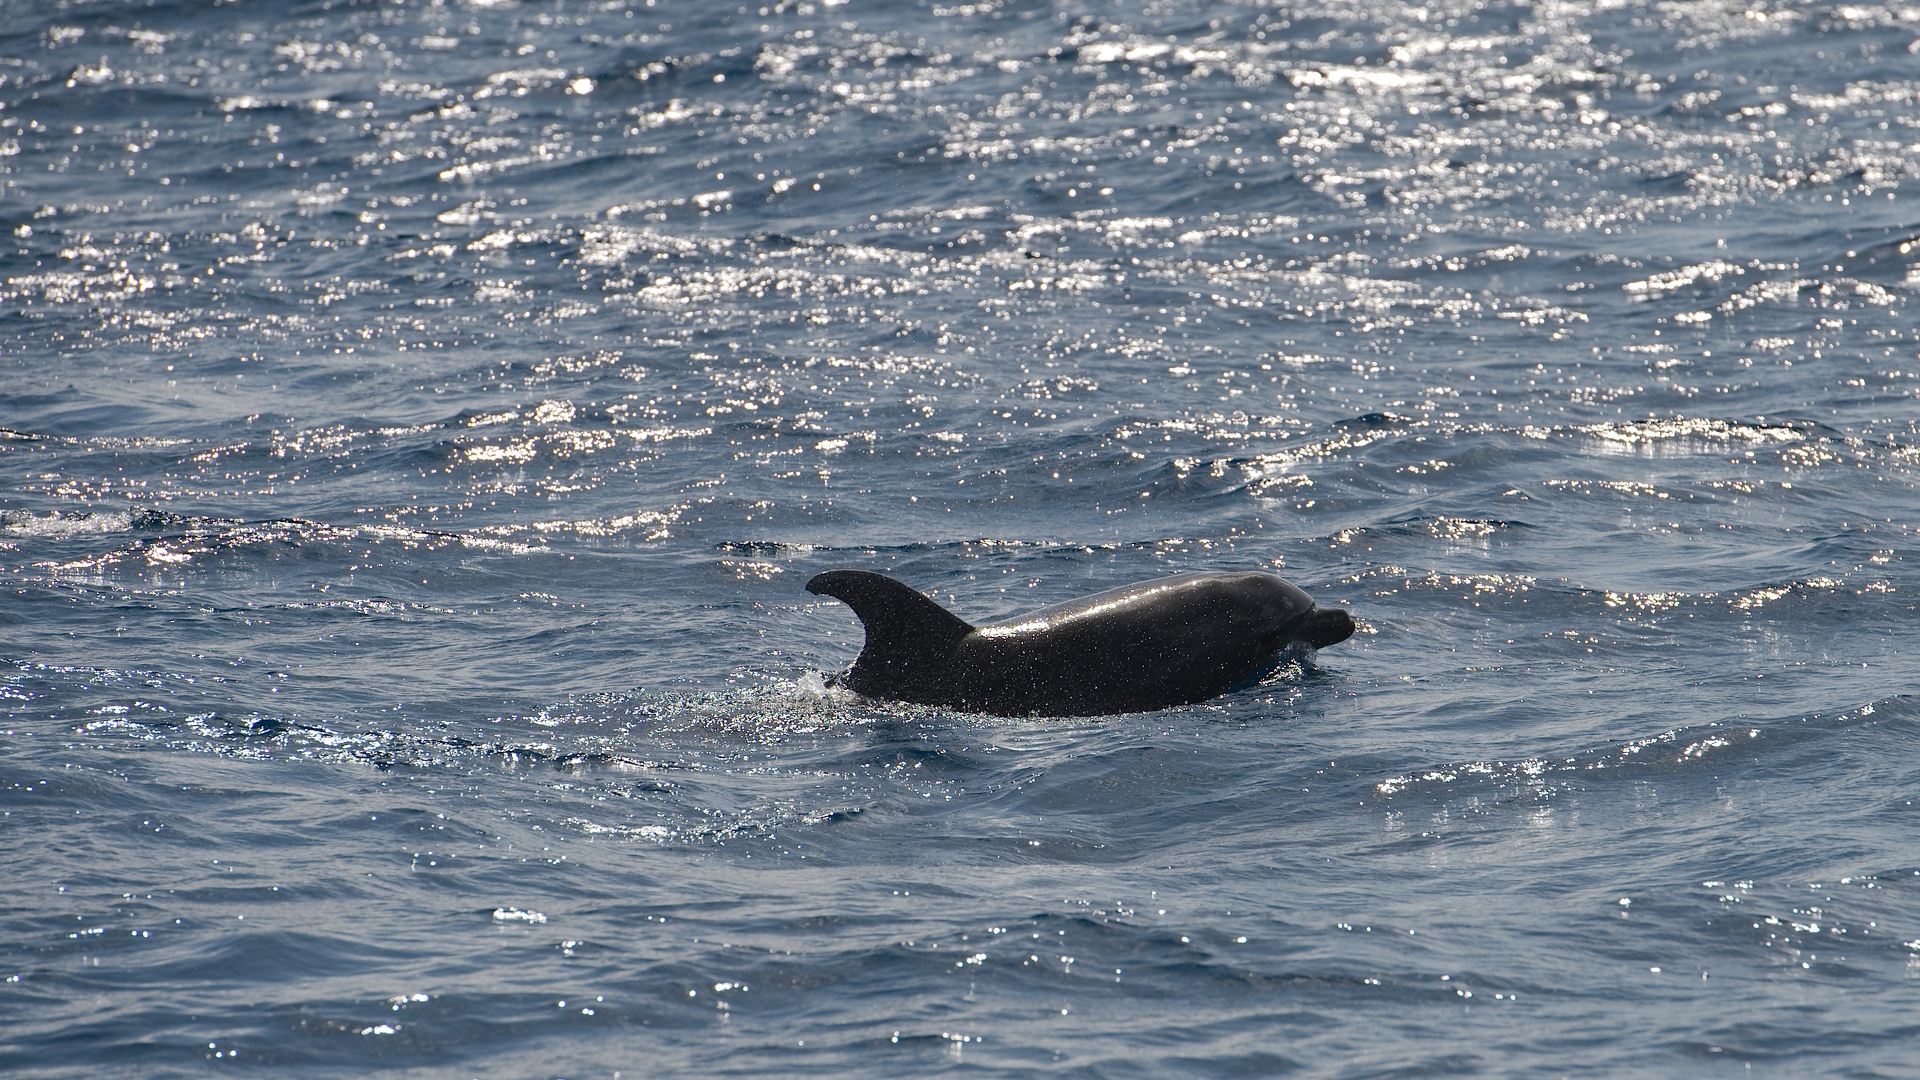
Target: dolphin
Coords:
[(1171, 641)]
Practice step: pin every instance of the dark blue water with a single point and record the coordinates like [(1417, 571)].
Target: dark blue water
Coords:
[(420, 420)]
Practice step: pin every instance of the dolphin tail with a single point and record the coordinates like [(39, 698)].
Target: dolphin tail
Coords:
[(902, 625)]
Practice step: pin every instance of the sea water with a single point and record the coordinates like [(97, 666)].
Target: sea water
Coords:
[(421, 419)]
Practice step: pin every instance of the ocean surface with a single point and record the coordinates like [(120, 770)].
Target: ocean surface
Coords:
[(419, 419)]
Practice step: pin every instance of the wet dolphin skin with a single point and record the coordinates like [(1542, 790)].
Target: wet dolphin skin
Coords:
[(1170, 641)]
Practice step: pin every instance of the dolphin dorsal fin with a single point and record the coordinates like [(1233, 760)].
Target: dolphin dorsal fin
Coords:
[(901, 623)]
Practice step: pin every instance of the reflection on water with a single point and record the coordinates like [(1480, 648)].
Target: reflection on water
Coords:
[(420, 419)]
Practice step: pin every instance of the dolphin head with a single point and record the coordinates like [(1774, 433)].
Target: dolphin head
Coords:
[(1291, 615), (1321, 627)]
